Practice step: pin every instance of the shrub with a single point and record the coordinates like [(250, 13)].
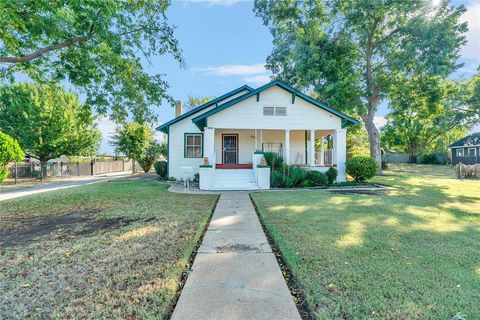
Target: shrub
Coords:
[(10, 151), (196, 177), (431, 158), (317, 178), (464, 171), (161, 168), (361, 168), (295, 176), (172, 179), (331, 175), (288, 177), (307, 184), (274, 160)]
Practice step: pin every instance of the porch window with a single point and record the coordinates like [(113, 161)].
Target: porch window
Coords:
[(193, 145), (472, 152), (460, 152)]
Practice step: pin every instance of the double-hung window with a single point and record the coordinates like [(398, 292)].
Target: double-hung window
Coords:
[(460, 152), (472, 152), (193, 145)]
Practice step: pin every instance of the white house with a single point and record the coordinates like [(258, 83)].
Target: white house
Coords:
[(231, 132)]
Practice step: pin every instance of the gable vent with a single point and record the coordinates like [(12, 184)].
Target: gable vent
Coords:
[(274, 111), (268, 111)]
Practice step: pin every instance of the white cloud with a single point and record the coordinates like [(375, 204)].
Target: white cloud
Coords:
[(258, 79), (472, 49), (214, 2), (233, 70), (252, 73), (379, 121), (475, 129)]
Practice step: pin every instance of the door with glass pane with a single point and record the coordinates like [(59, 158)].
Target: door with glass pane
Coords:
[(230, 148)]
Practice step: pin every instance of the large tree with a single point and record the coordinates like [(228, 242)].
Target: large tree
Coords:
[(99, 46), (427, 113), (348, 50), (48, 121), (133, 139), (10, 151)]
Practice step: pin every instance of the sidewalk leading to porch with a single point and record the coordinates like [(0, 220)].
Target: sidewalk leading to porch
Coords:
[(235, 274)]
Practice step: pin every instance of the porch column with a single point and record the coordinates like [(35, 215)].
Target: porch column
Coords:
[(340, 152), (312, 148), (322, 152), (286, 149), (209, 144)]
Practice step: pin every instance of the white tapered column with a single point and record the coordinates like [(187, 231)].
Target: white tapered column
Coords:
[(340, 152), (311, 161), (322, 152), (209, 144), (286, 152)]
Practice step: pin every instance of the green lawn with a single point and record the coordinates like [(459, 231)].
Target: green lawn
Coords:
[(409, 253), (109, 250)]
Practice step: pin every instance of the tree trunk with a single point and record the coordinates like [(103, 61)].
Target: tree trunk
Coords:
[(411, 153), (133, 166), (374, 141), (373, 98)]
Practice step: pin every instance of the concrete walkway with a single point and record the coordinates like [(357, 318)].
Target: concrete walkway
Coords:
[(235, 274)]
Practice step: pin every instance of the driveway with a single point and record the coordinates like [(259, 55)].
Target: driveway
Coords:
[(19, 190)]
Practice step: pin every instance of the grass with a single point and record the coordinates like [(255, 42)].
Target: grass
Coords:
[(109, 250), (409, 253)]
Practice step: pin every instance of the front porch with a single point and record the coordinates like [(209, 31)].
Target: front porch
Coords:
[(237, 153)]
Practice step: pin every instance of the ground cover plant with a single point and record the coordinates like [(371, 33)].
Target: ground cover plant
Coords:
[(108, 250), (406, 253)]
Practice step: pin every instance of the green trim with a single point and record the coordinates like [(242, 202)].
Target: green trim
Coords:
[(259, 152), (206, 166), (293, 98), (258, 97), (164, 127), (346, 120), (260, 166), (185, 143)]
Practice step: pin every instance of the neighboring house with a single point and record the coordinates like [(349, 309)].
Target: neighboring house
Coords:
[(232, 131), (466, 150)]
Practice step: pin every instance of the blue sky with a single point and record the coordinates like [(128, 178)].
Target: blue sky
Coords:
[(225, 46)]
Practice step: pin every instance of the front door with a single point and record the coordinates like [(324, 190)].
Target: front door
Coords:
[(230, 149)]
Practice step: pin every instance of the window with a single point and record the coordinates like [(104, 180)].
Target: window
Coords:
[(460, 152), (472, 152), (193, 145), (275, 111)]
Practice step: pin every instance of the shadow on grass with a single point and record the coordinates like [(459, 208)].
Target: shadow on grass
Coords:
[(406, 253)]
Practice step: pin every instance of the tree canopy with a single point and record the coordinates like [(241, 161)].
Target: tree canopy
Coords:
[(424, 115), (132, 139), (195, 101), (48, 121), (10, 151), (99, 46), (348, 51)]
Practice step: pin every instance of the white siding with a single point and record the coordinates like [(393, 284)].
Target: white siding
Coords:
[(248, 114), (176, 145)]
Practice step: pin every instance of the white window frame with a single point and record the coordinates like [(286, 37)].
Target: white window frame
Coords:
[(460, 150), (474, 152)]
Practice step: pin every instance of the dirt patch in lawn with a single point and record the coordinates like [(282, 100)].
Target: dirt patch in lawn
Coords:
[(60, 227)]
